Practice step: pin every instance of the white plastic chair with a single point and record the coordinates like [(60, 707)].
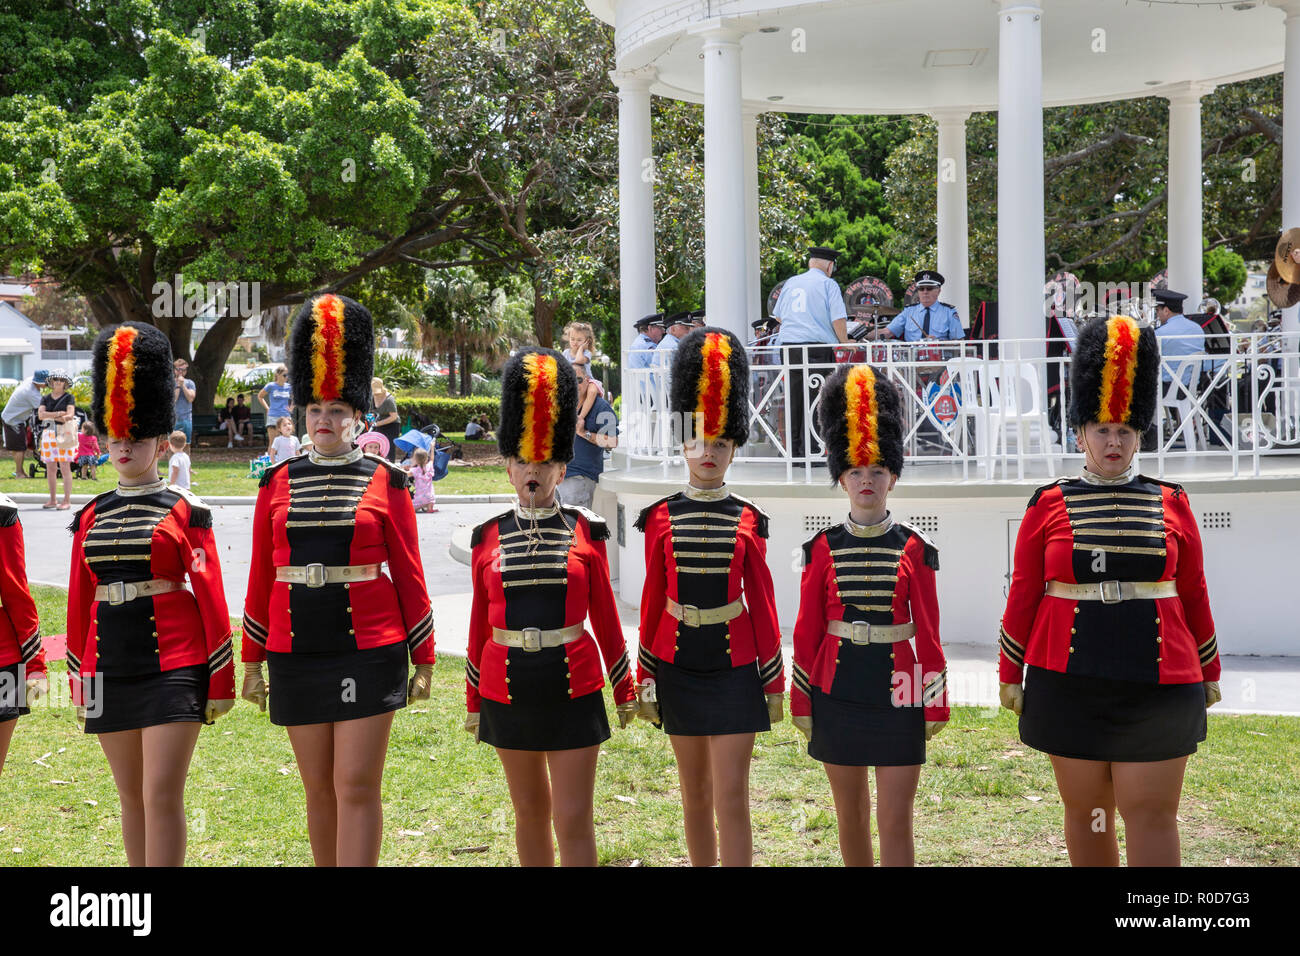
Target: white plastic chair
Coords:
[(1179, 393), (1016, 407)]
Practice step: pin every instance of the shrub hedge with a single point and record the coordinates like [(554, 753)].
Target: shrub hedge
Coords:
[(450, 414)]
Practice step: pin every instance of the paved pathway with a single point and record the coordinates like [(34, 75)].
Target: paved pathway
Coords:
[(1249, 684)]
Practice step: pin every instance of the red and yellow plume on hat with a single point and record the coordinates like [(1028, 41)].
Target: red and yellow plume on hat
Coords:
[(119, 384), (541, 407), (1119, 371), (861, 414), (328, 358), (713, 391)]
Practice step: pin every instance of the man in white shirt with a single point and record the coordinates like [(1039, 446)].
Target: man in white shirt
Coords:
[(26, 398)]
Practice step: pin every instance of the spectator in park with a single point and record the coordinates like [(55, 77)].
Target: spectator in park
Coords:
[(373, 443), (277, 402), (185, 393), (88, 450), (595, 433), (387, 421), (178, 468), (421, 472), (58, 448), (229, 422), (26, 398), (479, 429), (243, 418), (285, 445)]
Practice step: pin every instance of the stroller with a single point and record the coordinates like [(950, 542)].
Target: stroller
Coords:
[(37, 468)]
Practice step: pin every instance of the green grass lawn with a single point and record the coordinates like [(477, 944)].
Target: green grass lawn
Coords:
[(231, 478), (984, 797)]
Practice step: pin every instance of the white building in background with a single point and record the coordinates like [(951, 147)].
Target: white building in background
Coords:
[(20, 345), (1252, 290)]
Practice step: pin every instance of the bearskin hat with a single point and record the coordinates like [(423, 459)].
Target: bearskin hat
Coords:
[(861, 421), (710, 385), (539, 407), (134, 392), (332, 352), (1115, 374)]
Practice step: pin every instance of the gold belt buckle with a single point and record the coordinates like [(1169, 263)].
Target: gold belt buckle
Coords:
[(861, 633), (315, 574), (117, 593), (1112, 596), (691, 615), (532, 640)]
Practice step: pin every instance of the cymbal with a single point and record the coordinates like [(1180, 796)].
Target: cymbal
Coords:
[(1286, 257)]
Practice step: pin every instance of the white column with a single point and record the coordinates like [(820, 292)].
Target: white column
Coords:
[(753, 277), (1021, 254), (954, 253), (725, 270), (1185, 202), (1291, 138), (636, 211)]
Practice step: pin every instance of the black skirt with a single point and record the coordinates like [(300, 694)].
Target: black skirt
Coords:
[(13, 693), (710, 703), (327, 688), (1095, 718), (856, 734), (544, 725), (130, 703)]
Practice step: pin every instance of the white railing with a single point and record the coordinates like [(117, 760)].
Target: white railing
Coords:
[(995, 409)]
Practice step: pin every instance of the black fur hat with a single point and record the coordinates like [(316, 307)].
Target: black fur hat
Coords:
[(539, 407), (861, 420), (332, 352), (1115, 374), (710, 384), (134, 391)]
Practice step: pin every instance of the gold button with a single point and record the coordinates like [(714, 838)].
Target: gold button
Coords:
[(1071, 648), (97, 654), (152, 618), (675, 647), (347, 587), (570, 691), (1076, 609), (507, 680), (351, 631), (570, 674), (156, 651), (728, 650), (566, 660), (155, 633), (288, 587), (1071, 630), (508, 697), (837, 660), (349, 610), (1159, 659), (891, 657), (291, 633), (1159, 640), (1157, 620)]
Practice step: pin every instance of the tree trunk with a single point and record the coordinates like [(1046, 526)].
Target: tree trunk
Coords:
[(544, 310), (210, 360), (451, 371), (466, 373)]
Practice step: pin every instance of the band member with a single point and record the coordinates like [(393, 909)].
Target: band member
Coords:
[(148, 660), (860, 694), (709, 658), (1107, 618), (533, 675), (334, 630), (22, 662)]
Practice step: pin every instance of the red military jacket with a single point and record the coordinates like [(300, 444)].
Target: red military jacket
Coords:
[(349, 510), (1080, 532), (134, 535), (880, 574), (547, 573), (20, 631), (706, 549)]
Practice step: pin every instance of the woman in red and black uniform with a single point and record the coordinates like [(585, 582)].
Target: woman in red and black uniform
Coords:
[(22, 662), (533, 675), (1108, 612), (335, 630), (710, 663), (148, 660), (861, 695)]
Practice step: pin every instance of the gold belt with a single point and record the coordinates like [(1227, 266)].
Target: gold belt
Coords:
[(1112, 592), (319, 575), (701, 617), (534, 638), (119, 592), (860, 632)]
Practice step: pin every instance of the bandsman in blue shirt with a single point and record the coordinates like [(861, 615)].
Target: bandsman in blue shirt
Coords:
[(1177, 335), (928, 319), (641, 352)]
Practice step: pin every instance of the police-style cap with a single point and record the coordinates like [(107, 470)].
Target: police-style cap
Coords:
[(696, 317), (928, 278), (823, 252), (1170, 300), (645, 322), (678, 318)]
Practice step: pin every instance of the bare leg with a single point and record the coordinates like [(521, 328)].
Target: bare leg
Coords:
[(50, 470), (167, 750), (18, 464), (530, 794), (1089, 798), (360, 747), (125, 754), (6, 735), (1147, 795), (851, 790), (66, 468), (573, 784), (729, 755), (695, 774), (895, 799), (313, 748)]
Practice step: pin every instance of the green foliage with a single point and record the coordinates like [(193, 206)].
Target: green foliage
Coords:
[(1225, 274), (449, 414), (400, 371)]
